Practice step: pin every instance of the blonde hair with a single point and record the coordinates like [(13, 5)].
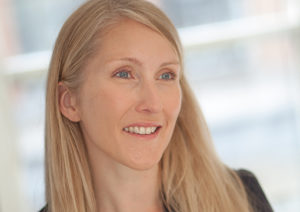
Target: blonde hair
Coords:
[(193, 178)]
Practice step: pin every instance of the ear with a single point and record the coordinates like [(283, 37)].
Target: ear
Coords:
[(67, 103)]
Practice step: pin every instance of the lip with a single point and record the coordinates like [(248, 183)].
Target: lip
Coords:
[(140, 124)]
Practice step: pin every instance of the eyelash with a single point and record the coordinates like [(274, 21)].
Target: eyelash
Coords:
[(173, 75)]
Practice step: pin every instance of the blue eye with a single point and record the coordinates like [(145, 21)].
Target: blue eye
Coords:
[(123, 74), (167, 76)]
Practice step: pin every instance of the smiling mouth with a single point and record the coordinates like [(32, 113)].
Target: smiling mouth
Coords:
[(142, 130)]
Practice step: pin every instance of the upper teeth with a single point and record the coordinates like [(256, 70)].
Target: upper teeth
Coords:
[(140, 130)]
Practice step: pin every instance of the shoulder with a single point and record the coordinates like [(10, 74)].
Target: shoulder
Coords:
[(44, 209), (256, 195)]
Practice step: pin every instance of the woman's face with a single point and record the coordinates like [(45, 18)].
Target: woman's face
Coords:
[(131, 96)]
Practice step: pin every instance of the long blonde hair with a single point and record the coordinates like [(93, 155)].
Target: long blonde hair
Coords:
[(193, 178)]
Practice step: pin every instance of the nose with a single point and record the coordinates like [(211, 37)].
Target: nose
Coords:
[(149, 98)]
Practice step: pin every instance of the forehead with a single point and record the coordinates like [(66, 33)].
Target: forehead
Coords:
[(131, 37)]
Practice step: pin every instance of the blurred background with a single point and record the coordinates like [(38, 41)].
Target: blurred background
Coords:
[(242, 59)]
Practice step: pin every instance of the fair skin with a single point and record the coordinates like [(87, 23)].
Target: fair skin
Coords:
[(127, 108)]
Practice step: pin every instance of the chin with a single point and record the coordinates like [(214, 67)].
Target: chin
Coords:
[(142, 165)]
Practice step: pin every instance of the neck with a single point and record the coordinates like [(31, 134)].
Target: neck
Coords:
[(120, 189)]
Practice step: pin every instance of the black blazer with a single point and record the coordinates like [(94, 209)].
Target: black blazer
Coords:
[(256, 196)]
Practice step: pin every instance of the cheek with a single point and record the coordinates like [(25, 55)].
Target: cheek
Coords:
[(92, 108), (172, 102), (108, 105), (101, 117)]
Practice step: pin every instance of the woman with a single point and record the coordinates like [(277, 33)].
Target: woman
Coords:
[(123, 130)]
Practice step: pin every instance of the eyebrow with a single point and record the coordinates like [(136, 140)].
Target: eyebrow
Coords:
[(139, 63)]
